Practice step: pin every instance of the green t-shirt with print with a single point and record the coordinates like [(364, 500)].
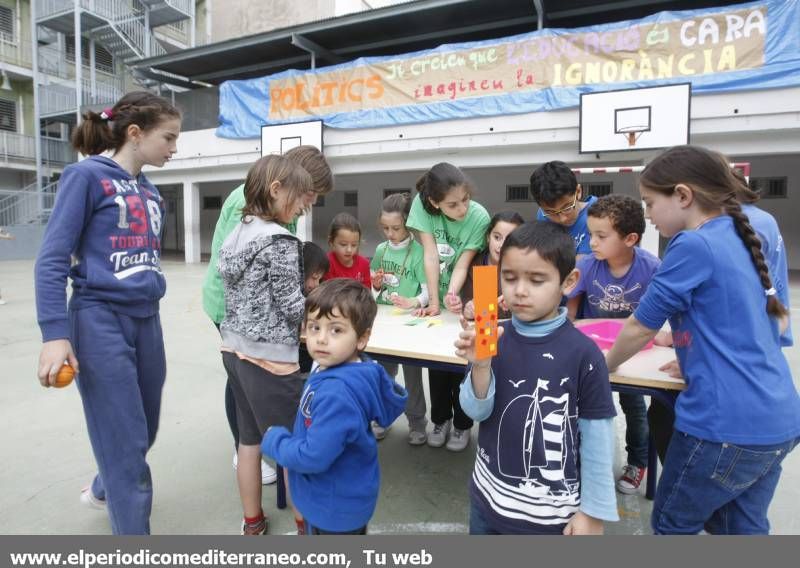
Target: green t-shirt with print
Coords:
[(403, 270), (452, 237)]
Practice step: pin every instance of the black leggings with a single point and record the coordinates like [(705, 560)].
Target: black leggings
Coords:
[(230, 407), (444, 387), (661, 420)]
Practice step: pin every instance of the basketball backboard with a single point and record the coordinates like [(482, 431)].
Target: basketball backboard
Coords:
[(635, 119), (280, 138)]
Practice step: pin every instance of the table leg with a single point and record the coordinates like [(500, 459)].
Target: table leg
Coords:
[(281, 488), (668, 399), (652, 468)]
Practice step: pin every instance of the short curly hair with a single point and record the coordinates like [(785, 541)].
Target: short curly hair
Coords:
[(349, 297), (626, 214)]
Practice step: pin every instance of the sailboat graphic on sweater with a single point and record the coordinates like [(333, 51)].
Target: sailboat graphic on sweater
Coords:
[(547, 437)]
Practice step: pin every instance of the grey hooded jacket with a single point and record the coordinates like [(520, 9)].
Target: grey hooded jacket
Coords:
[(261, 266)]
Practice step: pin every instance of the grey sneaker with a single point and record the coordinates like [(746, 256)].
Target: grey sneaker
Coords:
[(378, 431), (457, 440), (438, 436), (417, 433)]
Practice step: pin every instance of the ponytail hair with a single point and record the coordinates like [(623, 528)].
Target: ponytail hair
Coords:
[(397, 203), (744, 194), (436, 183), (108, 130), (715, 187)]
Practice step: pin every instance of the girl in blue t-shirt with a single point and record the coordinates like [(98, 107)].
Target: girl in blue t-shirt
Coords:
[(740, 413)]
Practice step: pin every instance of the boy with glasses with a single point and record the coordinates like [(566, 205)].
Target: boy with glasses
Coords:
[(558, 194)]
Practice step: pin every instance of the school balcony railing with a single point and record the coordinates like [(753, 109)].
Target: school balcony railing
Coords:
[(21, 207), (16, 51), (16, 148), (56, 99)]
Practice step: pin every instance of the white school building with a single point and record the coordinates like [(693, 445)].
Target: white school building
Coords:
[(760, 126), (498, 153)]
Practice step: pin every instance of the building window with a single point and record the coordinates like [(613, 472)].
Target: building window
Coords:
[(212, 202), (8, 115), (598, 189), (103, 60), (351, 199), (7, 25), (769, 187), (393, 191), (518, 193)]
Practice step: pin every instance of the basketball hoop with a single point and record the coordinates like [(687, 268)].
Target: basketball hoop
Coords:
[(629, 120), (632, 133), (632, 122)]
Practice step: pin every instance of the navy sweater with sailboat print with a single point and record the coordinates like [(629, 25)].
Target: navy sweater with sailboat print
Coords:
[(527, 471), (110, 223)]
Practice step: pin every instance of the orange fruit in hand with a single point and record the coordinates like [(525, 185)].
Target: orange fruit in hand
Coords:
[(65, 375)]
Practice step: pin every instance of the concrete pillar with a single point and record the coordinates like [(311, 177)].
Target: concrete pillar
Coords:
[(191, 221), (304, 226)]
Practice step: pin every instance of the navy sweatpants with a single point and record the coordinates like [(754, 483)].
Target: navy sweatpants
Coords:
[(122, 372)]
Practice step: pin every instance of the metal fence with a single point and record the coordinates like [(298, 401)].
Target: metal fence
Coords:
[(19, 207)]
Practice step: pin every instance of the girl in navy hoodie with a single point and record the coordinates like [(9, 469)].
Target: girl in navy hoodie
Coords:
[(109, 218)]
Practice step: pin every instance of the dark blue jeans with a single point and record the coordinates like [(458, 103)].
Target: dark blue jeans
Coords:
[(722, 488), (477, 522), (636, 430), (122, 372), (316, 531)]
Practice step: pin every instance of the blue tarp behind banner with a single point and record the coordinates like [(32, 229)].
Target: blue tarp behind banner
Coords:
[(741, 47)]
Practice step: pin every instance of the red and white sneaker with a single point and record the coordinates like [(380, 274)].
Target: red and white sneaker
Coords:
[(631, 480)]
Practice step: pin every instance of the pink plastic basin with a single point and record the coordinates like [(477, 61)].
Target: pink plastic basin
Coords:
[(604, 333)]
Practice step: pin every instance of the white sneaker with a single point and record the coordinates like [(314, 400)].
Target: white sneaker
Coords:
[(89, 500), (457, 440), (268, 473), (378, 431), (417, 433), (438, 435)]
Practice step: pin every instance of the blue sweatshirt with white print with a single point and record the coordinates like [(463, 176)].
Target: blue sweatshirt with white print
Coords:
[(110, 223), (331, 454)]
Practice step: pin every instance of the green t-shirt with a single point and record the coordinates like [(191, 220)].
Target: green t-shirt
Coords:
[(452, 237), (403, 270), (229, 217)]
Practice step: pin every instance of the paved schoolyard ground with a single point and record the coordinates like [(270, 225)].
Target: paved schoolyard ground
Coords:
[(47, 458)]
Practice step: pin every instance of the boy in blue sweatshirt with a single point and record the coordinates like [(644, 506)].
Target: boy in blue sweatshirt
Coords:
[(331, 455)]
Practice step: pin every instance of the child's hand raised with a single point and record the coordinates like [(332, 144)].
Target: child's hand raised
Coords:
[(469, 307), (377, 279), (465, 344), (469, 310)]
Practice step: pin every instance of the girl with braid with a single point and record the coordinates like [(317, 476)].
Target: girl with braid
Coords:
[(740, 413)]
